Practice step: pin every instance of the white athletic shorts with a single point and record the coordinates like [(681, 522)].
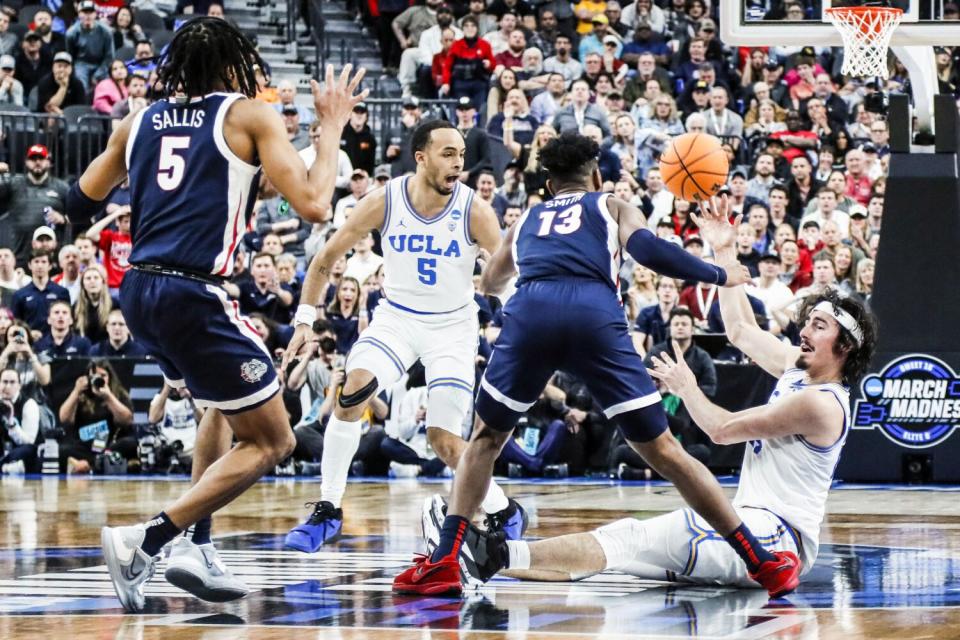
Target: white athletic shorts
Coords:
[(681, 547), (446, 344)]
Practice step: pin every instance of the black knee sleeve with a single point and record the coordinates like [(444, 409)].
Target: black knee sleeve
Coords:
[(358, 397)]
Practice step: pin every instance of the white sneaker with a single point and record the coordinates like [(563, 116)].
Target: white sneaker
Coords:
[(14, 468), (431, 520), (129, 566), (199, 570)]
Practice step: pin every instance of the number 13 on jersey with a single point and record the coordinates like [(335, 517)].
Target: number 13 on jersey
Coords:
[(565, 222)]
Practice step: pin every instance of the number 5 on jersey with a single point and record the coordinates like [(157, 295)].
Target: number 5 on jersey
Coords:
[(172, 165), (567, 221), (427, 268)]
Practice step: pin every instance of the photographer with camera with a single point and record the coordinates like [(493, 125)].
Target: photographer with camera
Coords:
[(321, 367), (175, 413), (97, 416), (34, 369), (19, 426)]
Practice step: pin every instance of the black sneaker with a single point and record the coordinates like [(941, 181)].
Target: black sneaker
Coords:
[(483, 553), (512, 521)]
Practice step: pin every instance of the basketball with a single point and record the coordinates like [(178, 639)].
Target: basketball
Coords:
[(694, 166)]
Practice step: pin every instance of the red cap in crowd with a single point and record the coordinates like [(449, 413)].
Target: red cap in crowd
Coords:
[(38, 150)]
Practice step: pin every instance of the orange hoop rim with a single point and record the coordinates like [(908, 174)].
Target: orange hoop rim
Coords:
[(858, 11)]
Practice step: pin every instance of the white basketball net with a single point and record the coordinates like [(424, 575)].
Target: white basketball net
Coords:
[(866, 33)]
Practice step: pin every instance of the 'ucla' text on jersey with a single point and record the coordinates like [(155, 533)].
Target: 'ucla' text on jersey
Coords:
[(427, 262), (572, 235), (191, 196)]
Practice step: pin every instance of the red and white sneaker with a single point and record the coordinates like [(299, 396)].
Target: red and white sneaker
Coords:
[(781, 576), (427, 578)]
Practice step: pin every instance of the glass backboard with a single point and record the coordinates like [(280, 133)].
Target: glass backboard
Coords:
[(802, 22)]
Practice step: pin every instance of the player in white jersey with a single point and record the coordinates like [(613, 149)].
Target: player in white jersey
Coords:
[(432, 231), (793, 445)]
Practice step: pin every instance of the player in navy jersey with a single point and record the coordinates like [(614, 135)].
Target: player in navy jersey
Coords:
[(194, 160), (566, 314)]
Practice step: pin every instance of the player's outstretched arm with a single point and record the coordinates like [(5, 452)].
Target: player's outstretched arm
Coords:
[(665, 257), (815, 415), (309, 191), (365, 217), (773, 355)]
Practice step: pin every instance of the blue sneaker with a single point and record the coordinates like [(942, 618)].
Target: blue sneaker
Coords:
[(323, 526), (512, 521)]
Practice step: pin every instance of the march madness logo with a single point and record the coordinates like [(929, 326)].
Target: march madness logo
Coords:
[(914, 401)]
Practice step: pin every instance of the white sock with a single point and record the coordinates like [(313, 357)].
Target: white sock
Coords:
[(519, 554), (340, 442), (495, 500)]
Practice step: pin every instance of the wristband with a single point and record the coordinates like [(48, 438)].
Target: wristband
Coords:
[(306, 314)]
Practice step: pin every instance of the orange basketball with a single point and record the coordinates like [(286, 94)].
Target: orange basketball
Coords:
[(694, 166)]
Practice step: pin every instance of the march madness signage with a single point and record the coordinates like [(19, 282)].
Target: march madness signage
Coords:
[(914, 401)]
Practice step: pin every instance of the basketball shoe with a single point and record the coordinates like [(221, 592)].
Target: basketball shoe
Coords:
[(323, 526), (512, 521), (426, 578), (198, 569), (781, 576), (129, 566)]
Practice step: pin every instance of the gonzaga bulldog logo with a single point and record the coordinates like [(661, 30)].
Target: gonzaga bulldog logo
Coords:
[(252, 370), (914, 401)]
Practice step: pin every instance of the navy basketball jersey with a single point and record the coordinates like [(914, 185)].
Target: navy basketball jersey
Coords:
[(570, 236), (191, 196)]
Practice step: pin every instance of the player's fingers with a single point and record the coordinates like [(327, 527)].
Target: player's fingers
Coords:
[(677, 352), (315, 87), (328, 77), (344, 76), (356, 80), (360, 97), (696, 219), (655, 374)]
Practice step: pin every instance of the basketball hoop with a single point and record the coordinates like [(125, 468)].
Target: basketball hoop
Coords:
[(866, 35)]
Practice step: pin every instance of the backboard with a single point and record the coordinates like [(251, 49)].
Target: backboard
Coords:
[(750, 23)]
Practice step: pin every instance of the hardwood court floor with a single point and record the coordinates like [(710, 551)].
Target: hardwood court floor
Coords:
[(889, 568)]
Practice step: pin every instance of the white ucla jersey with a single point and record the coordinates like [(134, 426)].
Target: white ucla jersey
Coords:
[(427, 262), (790, 476)]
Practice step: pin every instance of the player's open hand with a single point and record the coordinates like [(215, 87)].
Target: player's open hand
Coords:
[(714, 223), (297, 344), (673, 372), (336, 98)]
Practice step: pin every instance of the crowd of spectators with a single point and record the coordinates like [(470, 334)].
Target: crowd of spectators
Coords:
[(808, 165)]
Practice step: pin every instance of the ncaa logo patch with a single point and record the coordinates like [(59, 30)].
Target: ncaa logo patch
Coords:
[(252, 370), (914, 401)]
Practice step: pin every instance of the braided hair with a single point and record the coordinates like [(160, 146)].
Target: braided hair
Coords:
[(206, 53)]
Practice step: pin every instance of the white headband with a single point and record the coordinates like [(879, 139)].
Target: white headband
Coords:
[(843, 318)]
